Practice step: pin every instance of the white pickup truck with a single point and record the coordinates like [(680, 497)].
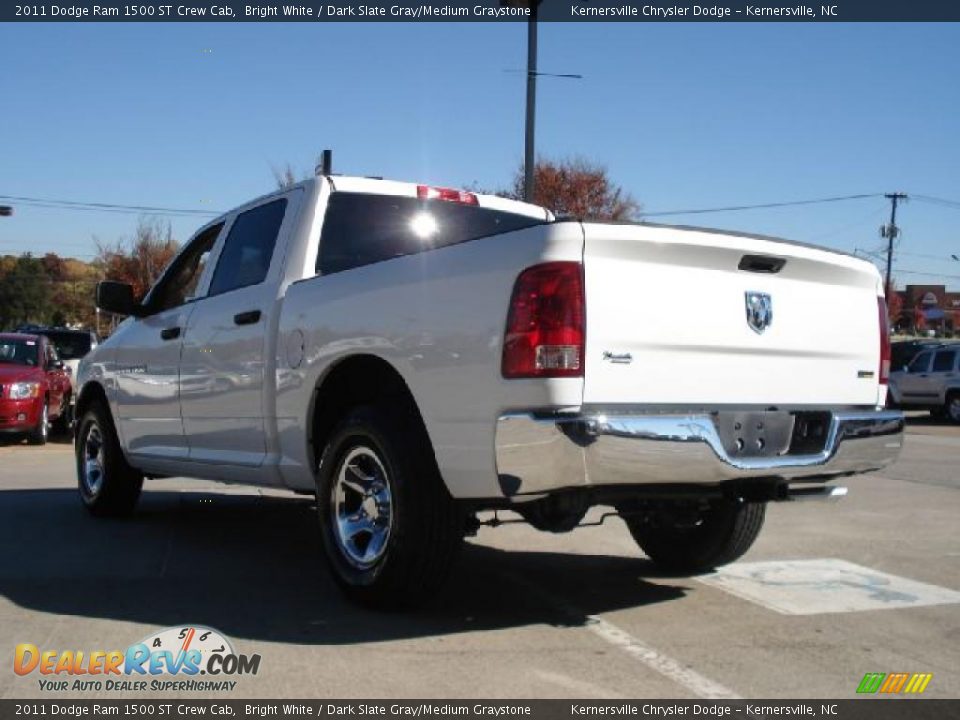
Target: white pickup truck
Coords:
[(415, 355)]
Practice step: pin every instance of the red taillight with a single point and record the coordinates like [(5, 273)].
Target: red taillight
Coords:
[(884, 341), (546, 324), (425, 192)]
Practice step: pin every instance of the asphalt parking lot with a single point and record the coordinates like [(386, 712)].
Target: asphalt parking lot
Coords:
[(808, 611)]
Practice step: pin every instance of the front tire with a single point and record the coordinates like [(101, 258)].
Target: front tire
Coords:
[(951, 408), (724, 531), (39, 435), (390, 529), (109, 486)]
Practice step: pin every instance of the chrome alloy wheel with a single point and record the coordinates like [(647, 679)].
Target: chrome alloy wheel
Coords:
[(361, 507), (93, 464)]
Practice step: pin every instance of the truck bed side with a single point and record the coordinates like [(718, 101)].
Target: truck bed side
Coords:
[(438, 318)]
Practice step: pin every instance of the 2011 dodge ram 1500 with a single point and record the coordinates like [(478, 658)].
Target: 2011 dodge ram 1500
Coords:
[(413, 355)]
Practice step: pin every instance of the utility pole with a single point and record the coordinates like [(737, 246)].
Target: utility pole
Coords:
[(890, 232), (529, 149), (529, 154)]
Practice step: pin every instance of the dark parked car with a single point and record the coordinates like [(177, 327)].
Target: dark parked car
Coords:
[(72, 345)]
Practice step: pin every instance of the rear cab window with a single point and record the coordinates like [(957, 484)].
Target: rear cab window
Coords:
[(361, 228)]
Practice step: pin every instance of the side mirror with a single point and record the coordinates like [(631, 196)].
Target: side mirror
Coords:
[(117, 297), (57, 365)]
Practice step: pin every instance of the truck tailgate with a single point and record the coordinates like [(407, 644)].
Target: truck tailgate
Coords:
[(667, 321)]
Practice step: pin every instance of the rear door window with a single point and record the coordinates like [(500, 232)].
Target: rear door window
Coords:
[(361, 229), (248, 249), (944, 361)]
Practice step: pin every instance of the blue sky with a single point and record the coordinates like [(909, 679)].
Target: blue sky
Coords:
[(684, 115)]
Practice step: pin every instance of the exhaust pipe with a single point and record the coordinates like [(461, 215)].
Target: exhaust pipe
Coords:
[(816, 492)]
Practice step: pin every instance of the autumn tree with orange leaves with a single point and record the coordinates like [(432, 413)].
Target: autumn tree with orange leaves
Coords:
[(894, 307), (578, 188), (140, 260)]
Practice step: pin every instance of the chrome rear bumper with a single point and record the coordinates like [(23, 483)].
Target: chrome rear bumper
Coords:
[(537, 454)]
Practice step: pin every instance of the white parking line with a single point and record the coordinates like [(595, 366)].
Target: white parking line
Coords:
[(668, 667), (665, 665)]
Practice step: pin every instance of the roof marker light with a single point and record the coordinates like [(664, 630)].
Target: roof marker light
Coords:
[(425, 192)]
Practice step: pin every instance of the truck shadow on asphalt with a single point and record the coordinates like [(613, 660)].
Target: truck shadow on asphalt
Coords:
[(252, 568), (14, 439)]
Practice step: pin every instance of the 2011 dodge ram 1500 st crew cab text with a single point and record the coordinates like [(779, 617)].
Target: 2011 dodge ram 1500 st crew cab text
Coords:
[(413, 355)]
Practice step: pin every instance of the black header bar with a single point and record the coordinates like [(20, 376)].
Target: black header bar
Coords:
[(485, 11)]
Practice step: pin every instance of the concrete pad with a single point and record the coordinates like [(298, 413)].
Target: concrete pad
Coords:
[(814, 587)]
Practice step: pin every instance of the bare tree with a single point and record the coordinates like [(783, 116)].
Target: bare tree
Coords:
[(286, 176)]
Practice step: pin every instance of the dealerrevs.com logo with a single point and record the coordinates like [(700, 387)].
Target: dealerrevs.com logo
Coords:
[(173, 659)]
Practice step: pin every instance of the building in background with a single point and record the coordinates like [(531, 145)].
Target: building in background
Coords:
[(929, 310)]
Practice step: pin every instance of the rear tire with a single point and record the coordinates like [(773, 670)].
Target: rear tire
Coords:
[(390, 529), (109, 486), (39, 435), (724, 532)]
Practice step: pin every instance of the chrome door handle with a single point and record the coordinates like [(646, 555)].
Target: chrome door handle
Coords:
[(247, 318)]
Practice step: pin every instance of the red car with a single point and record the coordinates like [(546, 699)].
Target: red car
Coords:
[(35, 387)]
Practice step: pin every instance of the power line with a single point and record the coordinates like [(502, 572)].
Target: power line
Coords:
[(109, 207), (54, 203), (847, 226), (926, 256), (120, 211), (929, 274), (937, 201), (790, 203)]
